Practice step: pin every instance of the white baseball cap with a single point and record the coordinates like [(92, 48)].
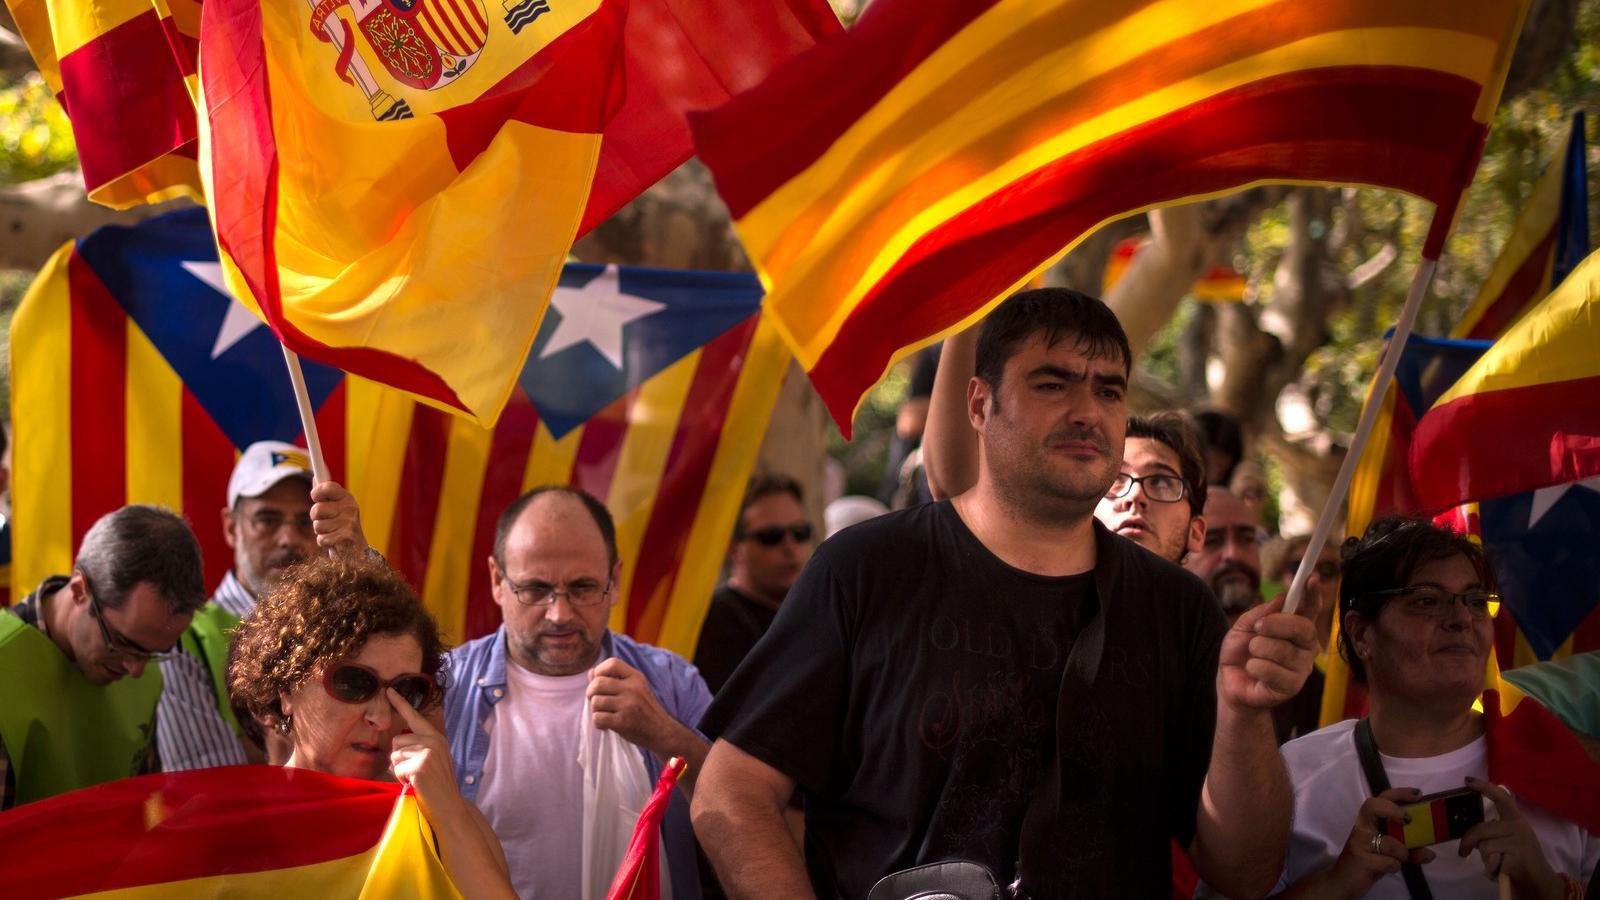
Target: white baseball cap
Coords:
[(264, 464)]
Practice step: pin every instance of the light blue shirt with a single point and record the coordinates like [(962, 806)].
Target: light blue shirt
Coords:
[(476, 681)]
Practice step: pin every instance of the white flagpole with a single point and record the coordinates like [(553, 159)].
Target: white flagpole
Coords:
[(1369, 417), (308, 420)]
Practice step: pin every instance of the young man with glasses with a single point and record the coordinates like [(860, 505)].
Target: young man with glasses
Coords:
[(525, 701), (77, 691), (771, 544), (1159, 494), (274, 519)]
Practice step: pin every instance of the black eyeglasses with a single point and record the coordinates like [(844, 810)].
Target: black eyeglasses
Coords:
[(1430, 601), (1326, 569), (1160, 488), (773, 536), (116, 642), (355, 683), (540, 593)]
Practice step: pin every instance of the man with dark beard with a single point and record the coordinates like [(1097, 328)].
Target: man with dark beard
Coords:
[(274, 519), (928, 687), (1229, 558)]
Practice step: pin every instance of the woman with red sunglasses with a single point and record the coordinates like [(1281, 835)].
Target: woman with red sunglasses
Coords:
[(342, 660)]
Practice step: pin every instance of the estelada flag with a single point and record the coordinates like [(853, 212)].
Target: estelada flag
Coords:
[(639, 876), (123, 70), (973, 142), (1523, 417), (648, 388), (136, 379), (395, 185), (1549, 239), (1536, 756), (238, 831)]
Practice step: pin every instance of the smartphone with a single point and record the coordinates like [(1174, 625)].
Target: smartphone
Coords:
[(1436, 818)]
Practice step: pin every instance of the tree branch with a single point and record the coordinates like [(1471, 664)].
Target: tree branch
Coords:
[(38, 216)]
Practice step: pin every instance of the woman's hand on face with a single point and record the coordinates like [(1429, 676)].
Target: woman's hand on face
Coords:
[(1509, 847), (1365, 860), (422, 759)]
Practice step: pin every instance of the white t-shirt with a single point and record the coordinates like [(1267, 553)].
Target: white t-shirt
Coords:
[(1329, 788), (532, 788)]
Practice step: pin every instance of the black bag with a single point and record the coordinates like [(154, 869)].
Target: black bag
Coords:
[(955, 879)]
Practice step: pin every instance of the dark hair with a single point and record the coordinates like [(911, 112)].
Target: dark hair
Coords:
[(322, 611), (1058, 313), (1384, 558), (1221, 432), (142, 544), (766, 484), (597, 511), (1173, 430)]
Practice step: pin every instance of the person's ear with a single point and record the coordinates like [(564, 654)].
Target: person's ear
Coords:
[(1360, 631), (496, 580), (78, 588), (1196, 538), (230, 528), (978, 397)]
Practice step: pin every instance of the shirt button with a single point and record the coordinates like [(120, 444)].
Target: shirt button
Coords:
[(498, 692), (482, 682), (470, 779)]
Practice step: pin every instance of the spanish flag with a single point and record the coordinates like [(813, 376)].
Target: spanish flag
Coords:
[(974, 141), (124, 71), (395, 184), (1533, 391), (1549, 239), (239, 831)]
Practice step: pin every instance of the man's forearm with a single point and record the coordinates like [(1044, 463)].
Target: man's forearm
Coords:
[(1242, 826), (751, 846)]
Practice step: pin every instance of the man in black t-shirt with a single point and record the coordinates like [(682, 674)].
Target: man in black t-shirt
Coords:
[(771, 543), (909, 687)]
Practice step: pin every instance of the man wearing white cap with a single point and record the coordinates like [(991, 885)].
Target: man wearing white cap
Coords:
[(275, 517)]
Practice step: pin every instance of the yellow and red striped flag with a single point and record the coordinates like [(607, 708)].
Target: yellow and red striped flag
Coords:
[(972, 143), (1549, 239), (124, 71), (239, 831)]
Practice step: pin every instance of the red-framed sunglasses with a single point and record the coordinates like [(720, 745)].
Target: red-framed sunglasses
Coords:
[(355, 683)]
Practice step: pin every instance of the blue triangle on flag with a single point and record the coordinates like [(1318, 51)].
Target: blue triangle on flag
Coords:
[(1547, 567), (164, 272), (610, 328)]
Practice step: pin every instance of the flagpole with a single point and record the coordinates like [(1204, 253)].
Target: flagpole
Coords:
[(1369, 417), (308, 419)]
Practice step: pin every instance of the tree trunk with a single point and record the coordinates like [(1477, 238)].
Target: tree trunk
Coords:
[(38, 216)]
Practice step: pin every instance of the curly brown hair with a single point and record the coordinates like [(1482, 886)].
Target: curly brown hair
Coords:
[(322, 611)]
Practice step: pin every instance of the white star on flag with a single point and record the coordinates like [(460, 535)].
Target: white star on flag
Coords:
[(596, 313), (1544, 498), (239, 322)]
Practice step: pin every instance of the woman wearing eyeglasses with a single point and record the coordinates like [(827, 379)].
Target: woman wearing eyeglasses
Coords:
[(342, 659), (1417, 605)]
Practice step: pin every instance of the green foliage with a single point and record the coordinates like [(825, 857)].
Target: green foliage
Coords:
[(865, 457), (35, 136)]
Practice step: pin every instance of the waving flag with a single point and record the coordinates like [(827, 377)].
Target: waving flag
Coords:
[(1219, 284), (1533, 391), (241, 831), (654, 388), (124, 72), (395, 186), (974, 142), (651, 390), (1549, 239), (1536, 756)]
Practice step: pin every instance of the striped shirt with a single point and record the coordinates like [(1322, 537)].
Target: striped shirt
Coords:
[(190, 731)]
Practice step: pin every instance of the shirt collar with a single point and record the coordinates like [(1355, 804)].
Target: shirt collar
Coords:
[(232, 596)]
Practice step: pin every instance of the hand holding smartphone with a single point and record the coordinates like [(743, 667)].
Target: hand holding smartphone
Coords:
[(1436, 818)]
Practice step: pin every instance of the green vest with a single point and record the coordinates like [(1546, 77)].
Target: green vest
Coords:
[(61, 730), (207, 639)]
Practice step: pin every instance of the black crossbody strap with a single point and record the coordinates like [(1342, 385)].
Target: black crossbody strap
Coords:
[(1378, 782)]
